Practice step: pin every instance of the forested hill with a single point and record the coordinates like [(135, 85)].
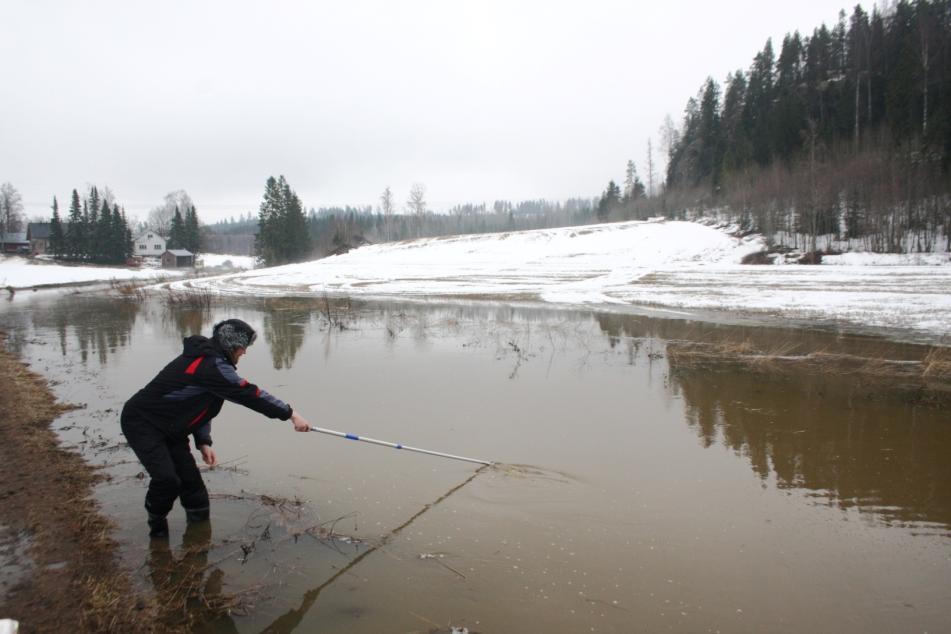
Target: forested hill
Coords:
[(845, 132)]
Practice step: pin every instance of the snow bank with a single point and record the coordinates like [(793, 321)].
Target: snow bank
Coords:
[(663, 264), (863, 258), (211, 260), (23, 273)]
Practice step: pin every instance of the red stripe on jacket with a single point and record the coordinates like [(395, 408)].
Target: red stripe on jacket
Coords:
[(193, 367), (198, 418)]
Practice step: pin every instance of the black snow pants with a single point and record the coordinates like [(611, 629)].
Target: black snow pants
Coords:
[(170, 464)]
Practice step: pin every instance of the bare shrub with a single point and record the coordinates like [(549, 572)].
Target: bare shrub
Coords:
[(129, 289)]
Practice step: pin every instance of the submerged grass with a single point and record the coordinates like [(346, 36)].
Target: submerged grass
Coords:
[(196, 299), (129, 289), (928, 377)]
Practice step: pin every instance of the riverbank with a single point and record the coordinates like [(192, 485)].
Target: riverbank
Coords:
[(51, 531)]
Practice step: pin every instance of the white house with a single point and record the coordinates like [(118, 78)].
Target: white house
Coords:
[(149, 244)]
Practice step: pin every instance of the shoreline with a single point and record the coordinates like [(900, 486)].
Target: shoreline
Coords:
[(52, 529)]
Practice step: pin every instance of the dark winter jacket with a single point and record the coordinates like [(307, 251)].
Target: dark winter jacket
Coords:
[(188, 392)]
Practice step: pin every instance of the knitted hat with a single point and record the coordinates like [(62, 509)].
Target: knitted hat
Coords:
[(232, 334)]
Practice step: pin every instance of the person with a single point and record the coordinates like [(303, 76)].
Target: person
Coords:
[(182, 400)]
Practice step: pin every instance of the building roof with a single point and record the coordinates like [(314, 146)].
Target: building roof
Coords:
[(14, 237), (38, 230), (180, 253), (154, 235)]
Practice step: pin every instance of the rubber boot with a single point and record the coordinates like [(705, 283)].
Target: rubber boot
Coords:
[(197, 515), (158, 526)]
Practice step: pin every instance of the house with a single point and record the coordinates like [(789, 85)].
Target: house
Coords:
[(177, 258), (38, 235), (14, 242), (148, 245)]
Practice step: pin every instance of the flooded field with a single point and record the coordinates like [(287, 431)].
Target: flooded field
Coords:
[(631, 492)]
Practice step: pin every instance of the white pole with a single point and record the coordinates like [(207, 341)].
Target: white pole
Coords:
[(395, 445)]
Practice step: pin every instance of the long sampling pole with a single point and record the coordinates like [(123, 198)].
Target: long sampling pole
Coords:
[(395, 445)]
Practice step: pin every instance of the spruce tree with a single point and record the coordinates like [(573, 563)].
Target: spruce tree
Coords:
[(192, 231), (125, 247), (267, 243), (74, 229), (295, 225), (57, 238), (104, 244), (176, 235), (283, 234)]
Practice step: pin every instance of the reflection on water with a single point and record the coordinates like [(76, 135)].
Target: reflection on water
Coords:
[(187, 320), (94, 325), (285, 324), (188, 589), (669, 495), (884, 458)]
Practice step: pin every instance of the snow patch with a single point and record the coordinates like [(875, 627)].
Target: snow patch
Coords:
[(23, 273), (667, 264)]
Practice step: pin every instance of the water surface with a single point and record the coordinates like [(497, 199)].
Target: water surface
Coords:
[(630, 497)]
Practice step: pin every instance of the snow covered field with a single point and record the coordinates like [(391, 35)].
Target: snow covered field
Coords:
[(211, 260), (23, 273), (674, 265)]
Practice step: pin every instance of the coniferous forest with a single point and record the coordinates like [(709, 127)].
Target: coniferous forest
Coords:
[(95, 230), (843, 134), (836, 139)]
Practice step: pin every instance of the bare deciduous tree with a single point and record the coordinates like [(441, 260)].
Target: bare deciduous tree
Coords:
[(11, 209), (417, 203), (386, 205), (650, 168), (160, 218)]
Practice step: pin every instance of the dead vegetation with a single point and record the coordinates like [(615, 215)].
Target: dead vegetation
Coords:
[(929, 377), (128, 289), (335, 312), (74, 581), (194, 299)]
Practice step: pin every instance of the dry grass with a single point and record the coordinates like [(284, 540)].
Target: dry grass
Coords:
[(75, 582), (197, 299), (937, 364), (931, 375), (129, 289)]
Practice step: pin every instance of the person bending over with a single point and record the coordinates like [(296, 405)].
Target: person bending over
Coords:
[(181, 401)]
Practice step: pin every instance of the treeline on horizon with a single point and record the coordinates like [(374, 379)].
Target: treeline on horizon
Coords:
[(844, 133), (337, 229)]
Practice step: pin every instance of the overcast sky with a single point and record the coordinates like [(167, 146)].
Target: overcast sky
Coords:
[(477, 100)]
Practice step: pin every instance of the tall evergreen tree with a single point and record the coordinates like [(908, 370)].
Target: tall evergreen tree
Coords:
[(192, 231), (57, 237), (176, 235), (610, 201), (282, 227), (75, 234)]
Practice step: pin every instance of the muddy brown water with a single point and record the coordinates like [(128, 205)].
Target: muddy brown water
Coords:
[(629, 497)]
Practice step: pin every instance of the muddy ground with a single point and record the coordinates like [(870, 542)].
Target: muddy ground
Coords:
[(59, 568)]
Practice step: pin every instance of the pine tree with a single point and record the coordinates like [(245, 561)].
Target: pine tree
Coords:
[(270, 225), (283, 234), (74, 229), (176, 235), (57, 238), (121, 235), (297, 236), (104, 234), (192, 231), (610, 200)]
